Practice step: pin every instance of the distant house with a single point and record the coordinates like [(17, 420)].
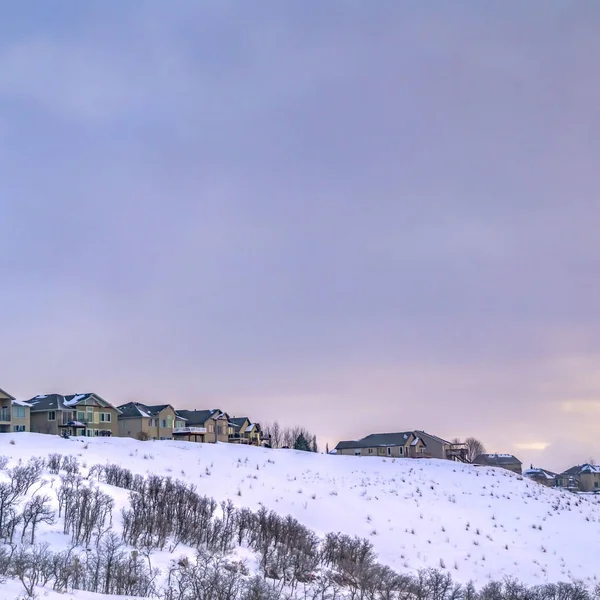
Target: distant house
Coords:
[(440, 448), (206, 426), (542, 476), (14, 414), (504, 461), (148, 422), (245, 432), (78, 415), (400, 445), (585, 478)]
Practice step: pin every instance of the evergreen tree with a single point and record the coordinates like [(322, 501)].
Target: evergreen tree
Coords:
[(327, 448), (314, 448), (301, 443)]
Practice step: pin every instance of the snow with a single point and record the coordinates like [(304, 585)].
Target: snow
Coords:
[(249, 428), (143, 413), (73, 401), (21, 403), (481, 523)]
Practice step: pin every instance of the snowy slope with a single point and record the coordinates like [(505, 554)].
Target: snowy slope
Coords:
[(478, 523)]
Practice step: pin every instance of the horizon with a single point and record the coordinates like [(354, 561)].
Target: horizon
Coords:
[(352, 217)]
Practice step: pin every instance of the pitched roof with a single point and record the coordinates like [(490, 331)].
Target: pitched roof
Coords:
[(579, 469), (198, 417), (9, 396), (239, 421), (496, 459), (137, 410), (536, 472), (378, 439), (424, 434), (45, 402)]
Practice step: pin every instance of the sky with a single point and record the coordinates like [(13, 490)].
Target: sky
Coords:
[(358, 217)]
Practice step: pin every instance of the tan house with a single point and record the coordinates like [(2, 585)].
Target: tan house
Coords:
[(245, 432), (585, 478), (399, 445), (504, 461), (74, 415), (148, 422), (14, 414), (440, 448), (206, 426)]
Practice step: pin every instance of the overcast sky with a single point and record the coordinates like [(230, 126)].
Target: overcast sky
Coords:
[(356, 216)]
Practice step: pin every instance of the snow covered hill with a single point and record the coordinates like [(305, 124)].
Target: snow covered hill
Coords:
[(476, 523)]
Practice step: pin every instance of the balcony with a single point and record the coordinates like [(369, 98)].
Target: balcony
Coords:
[(186, 430)]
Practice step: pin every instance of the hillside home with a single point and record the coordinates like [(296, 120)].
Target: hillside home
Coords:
[(400, 445), (245, 432), (14, 414), (78, 415), (542, 476), (584, 478), (148, 422), (504, 461), (440, 448), (205, 426)]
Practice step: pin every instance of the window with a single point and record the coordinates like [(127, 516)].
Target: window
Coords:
[(152, 423), (52, 415), (19, 427), (18, 412), (401, 450), (104, 417), (211, 428), (596, 484), (220, 429), (179, 424), (163, 422), (389, 451), (370, 450), (170, 422)]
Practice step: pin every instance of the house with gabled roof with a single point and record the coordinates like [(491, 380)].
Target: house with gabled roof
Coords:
[(14, 414), (399, 445), (541, 476), (504, 461), (205, 426), (73, 415), (245, 432), (148, 422), (585, 478)]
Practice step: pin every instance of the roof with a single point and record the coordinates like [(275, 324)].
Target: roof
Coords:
[(496, 459), (45, 402), (9, 396), (579, 469), (536, 472), (137, 410), (378, 439), (198, 417), (239, 421), (423, 434)]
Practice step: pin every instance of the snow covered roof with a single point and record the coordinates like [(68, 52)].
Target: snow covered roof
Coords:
[(16, 402), (536, 472), (44, 402)]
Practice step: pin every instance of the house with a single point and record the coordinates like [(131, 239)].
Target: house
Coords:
[(542, 476), (208, 426), (14, 414), (440, 448), (584, 478), (148, 422), (245, 432), (504, 461), (399, 445), (78, 415)]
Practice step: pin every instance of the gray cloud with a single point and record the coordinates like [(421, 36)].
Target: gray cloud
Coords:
[(363, 217)]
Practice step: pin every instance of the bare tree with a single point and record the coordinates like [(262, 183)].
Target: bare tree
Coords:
[(37, 510), (474, 448)]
